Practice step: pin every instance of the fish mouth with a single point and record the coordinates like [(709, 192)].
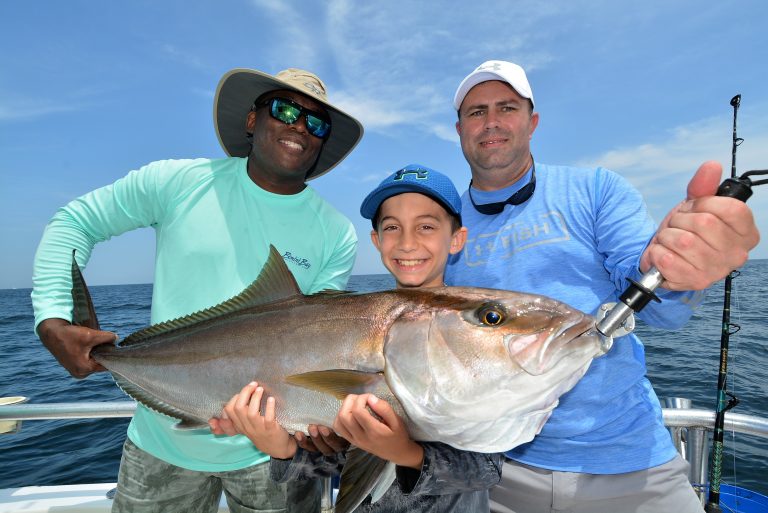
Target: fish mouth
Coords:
[(552, 346)]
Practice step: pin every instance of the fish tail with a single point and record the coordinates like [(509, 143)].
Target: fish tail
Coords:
[(83, 313)]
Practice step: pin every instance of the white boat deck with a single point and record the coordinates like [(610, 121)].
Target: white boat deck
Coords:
[(82, 498)]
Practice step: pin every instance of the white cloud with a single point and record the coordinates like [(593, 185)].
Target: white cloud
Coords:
[(276, 6), (25, 109), (661, 170), (392, 60), (293, 33), (372, 113), (186, 58), (649, 165), (445, 132), (205, 93)]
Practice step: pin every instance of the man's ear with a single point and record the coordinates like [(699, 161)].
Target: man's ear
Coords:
[(458, 239), (533, 124), (458, 128), (250, 122)]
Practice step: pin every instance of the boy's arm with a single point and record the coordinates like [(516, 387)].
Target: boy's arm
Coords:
[(428, 468), (447, 470), (305, 465)]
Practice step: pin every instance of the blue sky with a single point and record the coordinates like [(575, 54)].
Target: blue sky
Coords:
[(91, 90)]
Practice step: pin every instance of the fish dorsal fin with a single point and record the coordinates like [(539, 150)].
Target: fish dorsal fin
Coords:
[(337, 382), (274, 283), (363, 474), (83, 313)]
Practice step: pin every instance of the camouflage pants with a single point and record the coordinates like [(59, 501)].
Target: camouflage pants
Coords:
[(147, 484)]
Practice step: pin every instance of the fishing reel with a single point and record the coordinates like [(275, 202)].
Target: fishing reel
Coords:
[(616, 319), (741, 187)]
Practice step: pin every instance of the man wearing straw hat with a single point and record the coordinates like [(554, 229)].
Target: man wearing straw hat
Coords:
[(214, 220)]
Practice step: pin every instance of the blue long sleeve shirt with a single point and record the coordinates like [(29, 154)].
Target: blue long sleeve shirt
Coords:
[(578, 239)]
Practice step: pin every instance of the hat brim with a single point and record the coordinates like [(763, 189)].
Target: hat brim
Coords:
[(234, 97), (374, 200), (476, 78)]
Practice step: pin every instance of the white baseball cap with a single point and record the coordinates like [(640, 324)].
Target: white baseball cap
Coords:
[(504, 71)]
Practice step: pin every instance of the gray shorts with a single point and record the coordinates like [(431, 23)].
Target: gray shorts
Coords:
[(525, 489), (147, 484)]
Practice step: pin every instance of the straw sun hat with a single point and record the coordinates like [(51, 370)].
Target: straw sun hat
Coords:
[(237, 91)]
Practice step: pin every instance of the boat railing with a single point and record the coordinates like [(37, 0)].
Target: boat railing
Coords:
[(690, 428), (677, 416), (78, 410)]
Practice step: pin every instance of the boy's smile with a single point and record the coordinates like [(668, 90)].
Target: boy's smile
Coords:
[(415, 236)]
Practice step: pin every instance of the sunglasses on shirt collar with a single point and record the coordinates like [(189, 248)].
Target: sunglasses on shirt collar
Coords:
[(517, 198), (288, 112)]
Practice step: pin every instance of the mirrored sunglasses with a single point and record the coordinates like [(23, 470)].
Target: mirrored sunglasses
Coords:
[(288, 112)]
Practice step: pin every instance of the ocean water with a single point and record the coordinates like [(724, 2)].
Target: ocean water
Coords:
[(683, 363)]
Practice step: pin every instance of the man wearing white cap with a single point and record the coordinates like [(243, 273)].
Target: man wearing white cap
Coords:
[(214, 221), (577, 235)]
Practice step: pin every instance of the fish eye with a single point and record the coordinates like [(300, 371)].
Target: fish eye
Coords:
[(491, 316)]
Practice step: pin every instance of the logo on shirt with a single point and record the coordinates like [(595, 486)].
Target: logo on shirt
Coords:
[(301, 262), (516, 237)]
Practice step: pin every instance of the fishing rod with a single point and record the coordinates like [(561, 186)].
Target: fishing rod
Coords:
[(723, 405), (725, 400), (617, 319)]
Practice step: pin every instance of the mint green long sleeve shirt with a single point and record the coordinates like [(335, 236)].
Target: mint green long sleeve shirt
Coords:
[(213, 230)]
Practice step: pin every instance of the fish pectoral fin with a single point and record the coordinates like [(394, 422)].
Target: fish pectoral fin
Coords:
[(363, 474), (83, 313), (337, 382)]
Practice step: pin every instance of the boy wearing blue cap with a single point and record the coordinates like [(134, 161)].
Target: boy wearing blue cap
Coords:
[(416, 217)]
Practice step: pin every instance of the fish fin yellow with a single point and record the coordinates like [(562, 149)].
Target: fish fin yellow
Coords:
[(274, 283), (363, 474), (83, 313), (337, 382)]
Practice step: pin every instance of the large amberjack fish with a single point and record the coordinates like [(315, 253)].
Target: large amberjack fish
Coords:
[(478, 369)]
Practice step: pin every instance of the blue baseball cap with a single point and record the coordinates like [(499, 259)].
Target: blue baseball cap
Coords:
[(414, 178)]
